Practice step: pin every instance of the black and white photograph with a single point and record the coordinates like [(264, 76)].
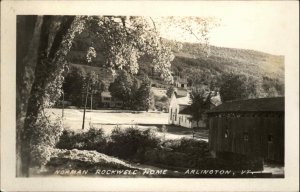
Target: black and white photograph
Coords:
[(152, 96)]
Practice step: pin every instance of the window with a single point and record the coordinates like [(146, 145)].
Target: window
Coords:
[(246, 136), (175, 114), (270, 138), (106, 98), (171, 114), (182, 85)]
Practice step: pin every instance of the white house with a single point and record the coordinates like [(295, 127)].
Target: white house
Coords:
[(179, 110)]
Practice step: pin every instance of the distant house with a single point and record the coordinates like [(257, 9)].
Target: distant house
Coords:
[(180, 111), (180, 100), (180, 108), (253, 128), (109, 102), (181, 83)]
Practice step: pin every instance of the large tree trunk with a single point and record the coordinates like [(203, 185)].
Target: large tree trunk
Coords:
[(42, 61), (28, 39)]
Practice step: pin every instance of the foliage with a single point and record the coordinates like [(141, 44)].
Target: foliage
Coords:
[(152, 100), (73, 86), (121, 41), (93, 139), (201, 101), (186, 153), (44, 137), (236, 86), (67, 140), (123, 88), (233, 87), (131, 142), (143, 94), (127, 89), (272, 87), (170, 91), (196, 28), (124, 143), (161, 102)]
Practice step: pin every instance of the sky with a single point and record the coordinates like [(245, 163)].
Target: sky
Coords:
[(261, 26)]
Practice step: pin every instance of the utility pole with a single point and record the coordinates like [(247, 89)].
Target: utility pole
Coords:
[(86, 96), (91, 101), (63, 104)]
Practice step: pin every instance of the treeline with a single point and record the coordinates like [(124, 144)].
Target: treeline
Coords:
[(134, 93), (78, 83)]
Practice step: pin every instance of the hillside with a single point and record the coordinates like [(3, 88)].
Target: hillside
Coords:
[(220, 60), (199, 68)]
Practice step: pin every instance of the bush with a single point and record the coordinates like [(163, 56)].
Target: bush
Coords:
[(132, 143), (67, 140), (184, 153), (93, 139)]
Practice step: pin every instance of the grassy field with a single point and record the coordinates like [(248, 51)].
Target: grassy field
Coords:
[(109, 119)]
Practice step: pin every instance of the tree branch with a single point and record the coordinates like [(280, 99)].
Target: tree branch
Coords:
[(63, 30)]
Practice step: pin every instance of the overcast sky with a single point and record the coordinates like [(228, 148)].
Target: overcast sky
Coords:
[(262, 26)]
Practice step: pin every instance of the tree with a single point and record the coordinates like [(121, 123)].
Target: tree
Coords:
[(42, 71), (170, 91), (73, 86), (233, 87), (96, 88), (124, 88), (143, 94), (238, 86), (272, 87), (89, 81), (201, 101)]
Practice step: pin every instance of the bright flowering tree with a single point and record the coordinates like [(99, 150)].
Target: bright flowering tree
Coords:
[(41, 61)]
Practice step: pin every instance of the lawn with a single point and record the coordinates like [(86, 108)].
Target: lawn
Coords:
[(109, 119)]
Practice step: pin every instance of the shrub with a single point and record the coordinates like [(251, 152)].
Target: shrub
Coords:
[(93, 139), (67, 140), (132, 143)]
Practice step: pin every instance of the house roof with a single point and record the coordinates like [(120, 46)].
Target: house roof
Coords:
[(184, 109), (186, 100), (180, 92), (275, 104)]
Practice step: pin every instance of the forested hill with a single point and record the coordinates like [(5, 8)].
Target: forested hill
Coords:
[(202, 69), (265, 70), (220, 60)]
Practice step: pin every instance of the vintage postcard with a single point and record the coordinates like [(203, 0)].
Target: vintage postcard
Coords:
[(149, 96)]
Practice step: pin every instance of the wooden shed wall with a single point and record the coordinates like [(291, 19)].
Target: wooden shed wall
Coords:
[(258, 130)]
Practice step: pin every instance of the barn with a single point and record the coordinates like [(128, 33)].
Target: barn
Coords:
[(252, 128)]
